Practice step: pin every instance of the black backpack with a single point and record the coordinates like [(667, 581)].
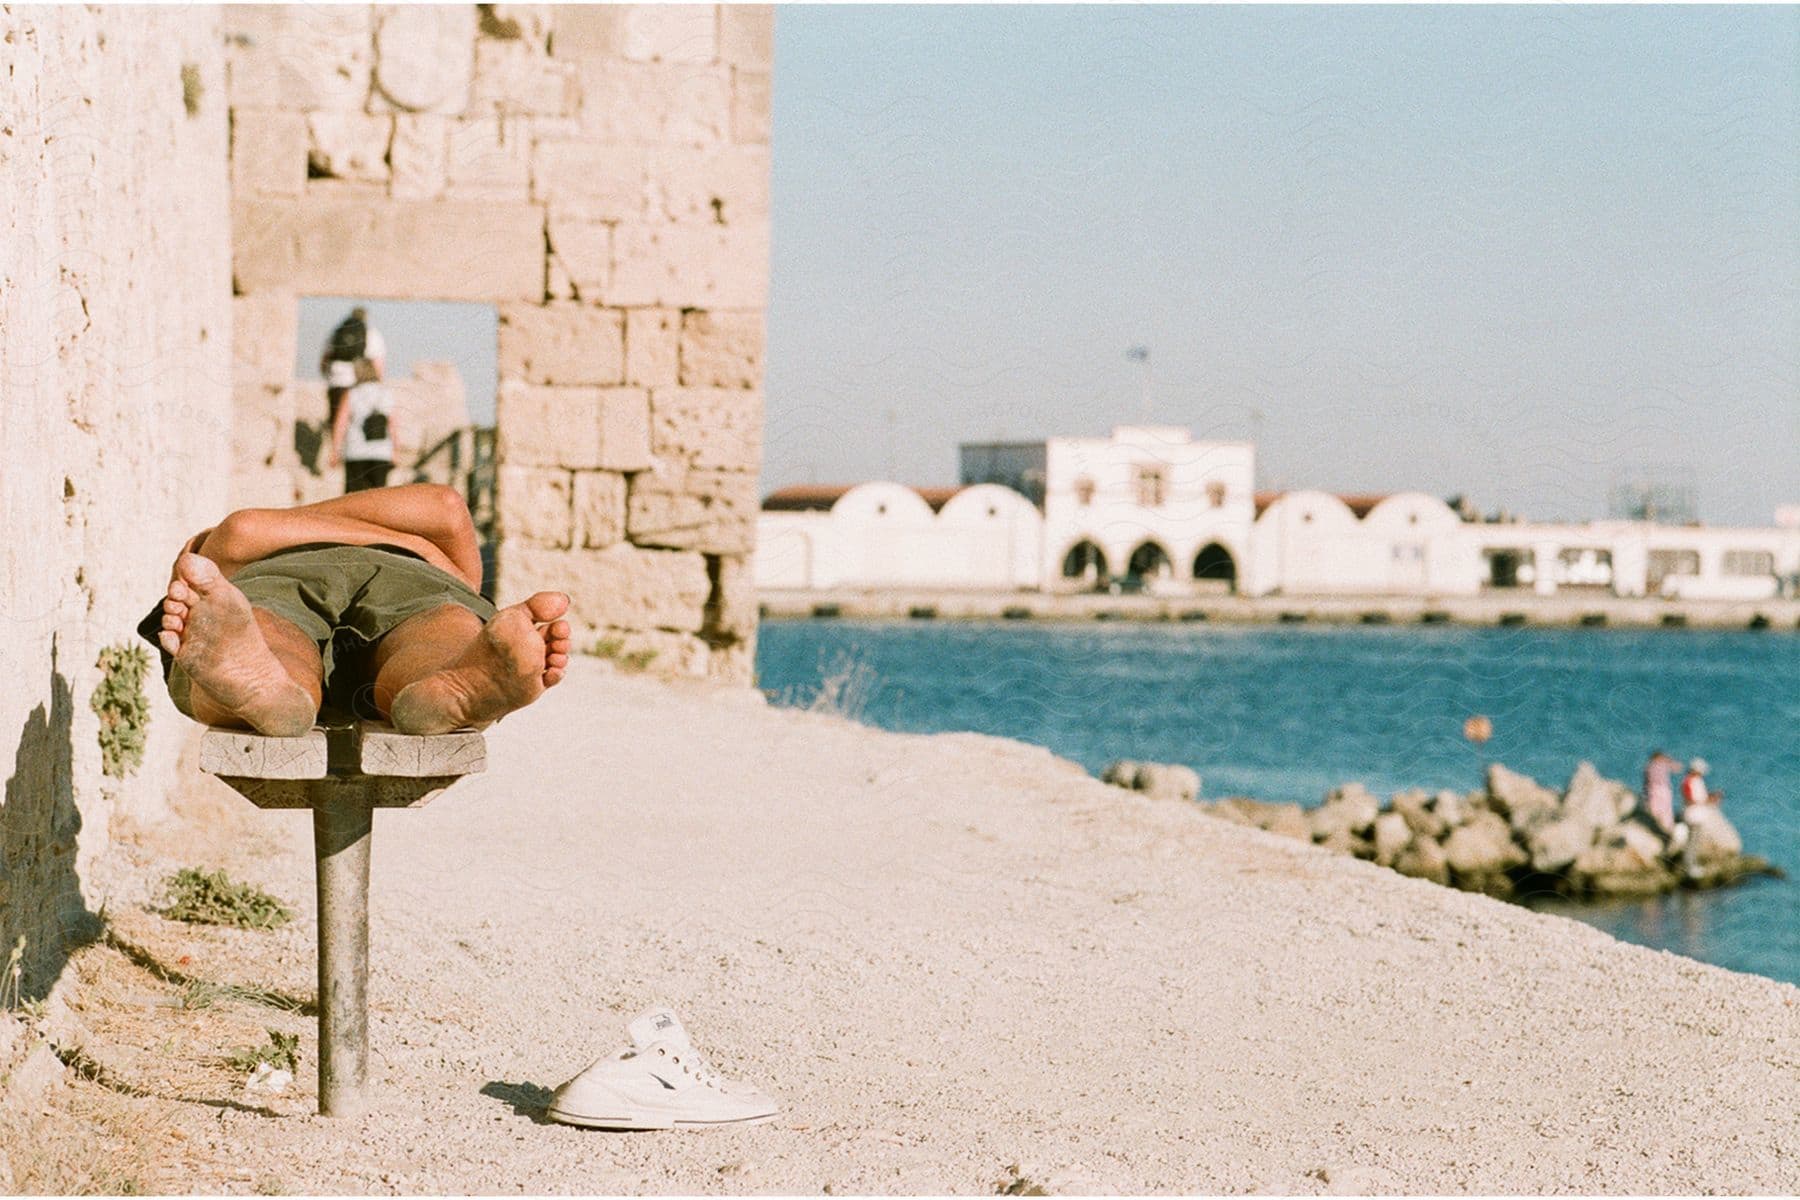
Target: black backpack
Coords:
[(348, 341)]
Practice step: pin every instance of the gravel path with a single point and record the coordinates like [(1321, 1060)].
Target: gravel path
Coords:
[(954, 956)]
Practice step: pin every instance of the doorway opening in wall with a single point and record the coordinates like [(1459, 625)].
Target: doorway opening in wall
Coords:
[(419, 378), (1511, 568), (1148, 564), (1085, 563), (1214, 569)]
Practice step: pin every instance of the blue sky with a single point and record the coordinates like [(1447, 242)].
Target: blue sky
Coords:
[(1520, 252)]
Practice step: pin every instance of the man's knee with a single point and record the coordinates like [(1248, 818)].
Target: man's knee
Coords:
[(452, 509), (241, 528)]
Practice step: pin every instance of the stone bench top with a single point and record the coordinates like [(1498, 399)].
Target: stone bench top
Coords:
[(392, 769)]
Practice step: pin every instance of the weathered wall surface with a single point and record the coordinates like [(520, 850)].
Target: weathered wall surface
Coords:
[(600, 174), (114, 406)]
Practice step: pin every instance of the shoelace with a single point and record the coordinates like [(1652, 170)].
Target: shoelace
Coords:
[(694, 1065)]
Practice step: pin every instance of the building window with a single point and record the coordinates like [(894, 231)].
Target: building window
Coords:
[(1152, 485), (1665, 564), (1084, 491), (1215, 494), (1748, 562)]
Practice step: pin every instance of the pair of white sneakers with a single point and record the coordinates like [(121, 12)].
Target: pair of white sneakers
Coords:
[(659, 1081)]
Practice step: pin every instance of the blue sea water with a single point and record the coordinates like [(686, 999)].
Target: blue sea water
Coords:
[(1287, 713)]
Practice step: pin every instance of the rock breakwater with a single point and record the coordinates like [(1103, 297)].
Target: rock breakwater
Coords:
[(1512, 836)]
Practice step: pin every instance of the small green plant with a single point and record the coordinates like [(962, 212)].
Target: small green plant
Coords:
[(191, 88), (15, 975), (281, 1051), (122, 707), (629, 660), (1016, 1184), (214, 898)]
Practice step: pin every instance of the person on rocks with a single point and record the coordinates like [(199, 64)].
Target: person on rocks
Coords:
[(1659, 790), (1694, 793), (362, 431), (369, 603)]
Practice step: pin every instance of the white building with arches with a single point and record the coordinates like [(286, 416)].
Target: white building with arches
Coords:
[(1151, 509)]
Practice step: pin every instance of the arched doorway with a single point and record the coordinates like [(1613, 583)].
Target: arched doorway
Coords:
[(1086, 563), (1215, 566), (1149, 563)]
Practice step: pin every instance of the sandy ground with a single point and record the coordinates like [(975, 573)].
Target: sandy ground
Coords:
[(957, 959)]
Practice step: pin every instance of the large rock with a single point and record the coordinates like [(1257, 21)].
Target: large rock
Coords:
[(1453, 808), (1285, 820), (1392, 835), (1592, 799), (1555, 845), (1625, 860), (1415, 809), (1482, 846), (1349, 809), (1711, 838), (1342, 841), (1170, 781), (1522, 800), (1424, 859)]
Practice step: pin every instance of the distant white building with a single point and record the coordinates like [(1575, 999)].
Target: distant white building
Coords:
[(1150, 508)]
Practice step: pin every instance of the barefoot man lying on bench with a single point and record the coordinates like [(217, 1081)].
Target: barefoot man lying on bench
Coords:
[(370, 603)]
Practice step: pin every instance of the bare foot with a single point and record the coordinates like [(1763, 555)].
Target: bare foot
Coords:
[(518, 654), (210, 629)]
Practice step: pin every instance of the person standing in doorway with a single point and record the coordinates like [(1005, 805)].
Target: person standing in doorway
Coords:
[(354, 340), (362, 432)]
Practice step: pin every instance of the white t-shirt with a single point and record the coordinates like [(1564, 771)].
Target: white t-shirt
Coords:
[(341, 373), (370, 436)]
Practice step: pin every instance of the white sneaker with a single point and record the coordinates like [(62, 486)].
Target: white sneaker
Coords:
[(658, 1082)]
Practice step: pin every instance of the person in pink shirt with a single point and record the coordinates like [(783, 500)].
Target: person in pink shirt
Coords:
[(1659, 790)]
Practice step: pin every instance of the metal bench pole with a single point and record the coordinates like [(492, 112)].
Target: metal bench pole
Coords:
[(343, 825)]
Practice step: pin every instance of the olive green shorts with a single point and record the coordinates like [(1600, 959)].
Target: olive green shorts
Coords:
[(346, 599)]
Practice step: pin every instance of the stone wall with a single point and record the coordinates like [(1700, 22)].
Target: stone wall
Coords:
[(114, 402), (600, 174)]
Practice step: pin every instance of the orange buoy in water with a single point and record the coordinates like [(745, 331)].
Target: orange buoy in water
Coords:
[(1478, 729)]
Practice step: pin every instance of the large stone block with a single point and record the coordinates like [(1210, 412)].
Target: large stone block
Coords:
[(581, 251), (585, 180), (563, 343), (722, 185), (512, 78), (731, 610), (620, 587), (534, 503), (576, 427), (708, 510), (747, 34), (599, 509), (489, 157), (447, 250), (268, 152), (656, 652), (586, 31), (297, 57), (425, 56), (721, 348), (417, 156), (655, 104), (264, 326), (348, 145), (652, 347), (702, 428), (690, 266), (752, 106), (671, 33)]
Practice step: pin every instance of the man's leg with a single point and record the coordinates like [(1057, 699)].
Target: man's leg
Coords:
[(444, 669), (427, 510), (236, 665)]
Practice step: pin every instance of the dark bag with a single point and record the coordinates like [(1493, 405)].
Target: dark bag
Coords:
[(348, 341)]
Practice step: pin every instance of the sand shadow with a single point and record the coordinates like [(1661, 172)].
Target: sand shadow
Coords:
[(40, 828), (526, 1099)]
